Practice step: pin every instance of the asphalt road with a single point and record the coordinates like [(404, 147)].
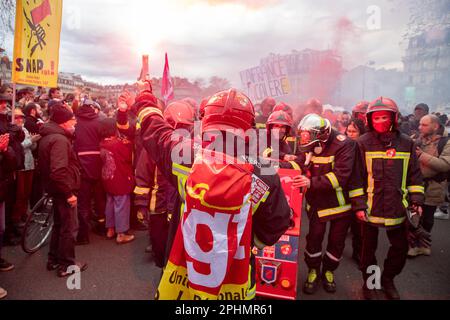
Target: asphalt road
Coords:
[(127, 272)]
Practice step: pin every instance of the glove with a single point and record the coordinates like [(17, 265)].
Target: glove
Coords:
[(125, 101), (145, 99), (421, 237), (143, 213)]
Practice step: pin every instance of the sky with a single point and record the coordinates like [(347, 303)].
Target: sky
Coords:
[(103, 40)]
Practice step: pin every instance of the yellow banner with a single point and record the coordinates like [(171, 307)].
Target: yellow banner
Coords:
[(36, 42)]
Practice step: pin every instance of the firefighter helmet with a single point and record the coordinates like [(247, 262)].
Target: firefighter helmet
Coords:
[(179, 112), (382, 104), (280, 117), (313, 130), (361, 107), (230, 109), (284, 107)]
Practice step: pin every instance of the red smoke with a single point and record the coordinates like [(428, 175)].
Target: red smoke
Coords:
[(325, 75)]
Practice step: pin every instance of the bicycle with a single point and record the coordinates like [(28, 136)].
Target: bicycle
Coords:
[(38, 226)]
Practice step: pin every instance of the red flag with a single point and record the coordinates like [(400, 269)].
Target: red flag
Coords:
[(167, 83), (144, 70), (41, 12)]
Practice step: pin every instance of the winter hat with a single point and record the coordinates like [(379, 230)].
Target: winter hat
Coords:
[(61, 113)]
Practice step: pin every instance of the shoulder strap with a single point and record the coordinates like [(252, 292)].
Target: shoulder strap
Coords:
[(441, 144)]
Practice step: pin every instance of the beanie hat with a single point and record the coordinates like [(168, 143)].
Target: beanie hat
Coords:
[(60, 113)]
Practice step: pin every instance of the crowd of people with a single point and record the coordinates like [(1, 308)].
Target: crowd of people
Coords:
[(109, 168)]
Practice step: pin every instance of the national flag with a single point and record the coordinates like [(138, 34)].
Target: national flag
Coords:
[(167, 83), (41, 12)]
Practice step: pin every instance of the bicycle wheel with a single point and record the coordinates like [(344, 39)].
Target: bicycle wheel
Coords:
[(38, 226)]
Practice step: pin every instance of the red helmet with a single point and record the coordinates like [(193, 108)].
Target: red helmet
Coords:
[(228, 109), (382, 104), (179, 112), (314, 106), (269, 101), (201, 108), (284, 107), (361, 107), (280, 117)]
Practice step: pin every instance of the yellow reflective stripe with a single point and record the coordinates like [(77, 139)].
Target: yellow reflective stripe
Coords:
[(200, 195), (294, 165), (386, 221), (322, 160), (332, 211), (154, 191), (148, 111), (123, 126), (405, 172), (267, 152), (340, 196), (263, 199), (418, 189), (181, 172), (308, 206), (291, 139), (260, 125), (178, 169), (370, 184), (141, 191), (334, 181), (370, 155), (382, 155), (356, 193)]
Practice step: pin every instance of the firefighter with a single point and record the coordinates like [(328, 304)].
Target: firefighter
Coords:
[(359, 111), (278, 127), (333, 191), (154, 195), (267, 106), (394, 185), (217, 228), (291, 138)]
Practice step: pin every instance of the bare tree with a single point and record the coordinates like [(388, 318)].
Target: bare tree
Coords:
[(7, 13)]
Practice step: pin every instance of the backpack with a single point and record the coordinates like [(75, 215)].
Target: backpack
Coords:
[(441, 176)]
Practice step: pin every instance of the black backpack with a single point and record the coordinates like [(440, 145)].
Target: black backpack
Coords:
[(441, 176)]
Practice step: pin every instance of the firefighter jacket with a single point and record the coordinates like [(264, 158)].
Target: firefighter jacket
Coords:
[(152, 189), (392, 177), (271, 215), (336, 185)]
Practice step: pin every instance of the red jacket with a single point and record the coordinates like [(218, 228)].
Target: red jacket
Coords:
[(117, 170)]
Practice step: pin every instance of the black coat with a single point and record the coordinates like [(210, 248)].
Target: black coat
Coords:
[(87, 142), (392, 177), (58, 163)]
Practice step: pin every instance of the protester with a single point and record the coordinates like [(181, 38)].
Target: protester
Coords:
[(279, 126), (61, 175), (433, 152), (393, 183), (330, 176), (270, 220), (24, 177), (267, 106), (87, 147), (420, 110), (118, 180), (355, 129), (55, 93)]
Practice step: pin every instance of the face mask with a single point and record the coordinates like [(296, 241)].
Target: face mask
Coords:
[(382, 127)]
